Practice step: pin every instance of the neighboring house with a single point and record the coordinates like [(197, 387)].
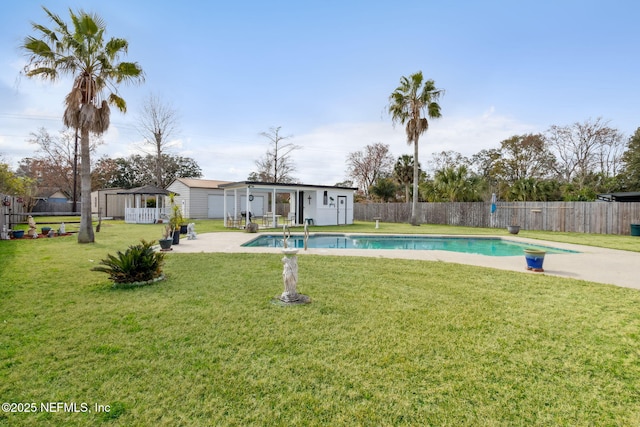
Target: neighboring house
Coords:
[(52, 200), (629, 196)]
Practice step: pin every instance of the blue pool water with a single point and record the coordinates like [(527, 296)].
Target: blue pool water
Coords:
[(491, 246)]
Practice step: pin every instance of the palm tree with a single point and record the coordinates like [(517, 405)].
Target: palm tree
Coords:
[(82, 53), (407, 104), (403, 173)]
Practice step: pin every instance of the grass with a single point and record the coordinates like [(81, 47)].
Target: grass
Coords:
[(384, 342)]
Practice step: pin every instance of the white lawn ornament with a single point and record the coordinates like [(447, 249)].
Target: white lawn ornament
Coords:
[(191, 232)]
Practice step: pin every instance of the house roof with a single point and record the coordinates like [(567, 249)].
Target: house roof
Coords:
[(258, 184), (46, 192), (146, 189), (201, 183), (630, 196)]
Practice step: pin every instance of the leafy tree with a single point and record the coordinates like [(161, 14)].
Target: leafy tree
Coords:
[(137, 170), (524, 156), (365, 167), (157, 124), (12, 184), (9, 182), (276, 165), (631, 159), (346, 183), (385, 189), (93, 62), (410, 104)]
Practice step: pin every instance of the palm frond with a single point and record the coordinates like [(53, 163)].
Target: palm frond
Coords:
[(119, 102), (114, 46)]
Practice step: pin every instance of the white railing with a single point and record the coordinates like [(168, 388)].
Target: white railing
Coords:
[(144, 215)]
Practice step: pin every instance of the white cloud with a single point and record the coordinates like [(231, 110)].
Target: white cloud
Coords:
[(322, 158)]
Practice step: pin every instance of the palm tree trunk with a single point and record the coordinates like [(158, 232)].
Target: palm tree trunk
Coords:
[(416, 177), (85, 234)]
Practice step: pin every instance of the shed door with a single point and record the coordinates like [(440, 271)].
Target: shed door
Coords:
[(342, 210)]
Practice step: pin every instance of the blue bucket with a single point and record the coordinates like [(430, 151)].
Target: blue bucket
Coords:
[(534, 258)]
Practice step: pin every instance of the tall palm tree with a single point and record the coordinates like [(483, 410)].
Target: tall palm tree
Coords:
[(81, 52), (410, 104)]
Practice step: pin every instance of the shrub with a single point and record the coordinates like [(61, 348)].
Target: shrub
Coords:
[(139, 263)]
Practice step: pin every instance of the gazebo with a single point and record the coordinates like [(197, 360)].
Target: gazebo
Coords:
[(136, 210)]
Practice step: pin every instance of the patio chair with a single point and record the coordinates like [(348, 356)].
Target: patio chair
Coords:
[(232, 222), (291, 218)]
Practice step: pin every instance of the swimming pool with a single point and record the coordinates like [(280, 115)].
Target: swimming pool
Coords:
[(491, 246)]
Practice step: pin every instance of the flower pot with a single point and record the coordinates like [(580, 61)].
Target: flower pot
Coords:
[(513, 229), (46, 230), (635, 229), (165, 244), (534, 258), (183, 229), (176, 237), (18, 234)]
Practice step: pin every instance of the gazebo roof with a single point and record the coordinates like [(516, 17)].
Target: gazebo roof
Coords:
[(148, 190)]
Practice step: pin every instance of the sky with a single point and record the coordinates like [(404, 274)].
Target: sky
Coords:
[(323, 72)]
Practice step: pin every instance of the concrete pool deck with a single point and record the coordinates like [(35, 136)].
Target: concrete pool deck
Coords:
[(593, 264)]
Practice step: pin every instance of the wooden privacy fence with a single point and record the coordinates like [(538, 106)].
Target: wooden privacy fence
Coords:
[(9, 215), (581, 217)]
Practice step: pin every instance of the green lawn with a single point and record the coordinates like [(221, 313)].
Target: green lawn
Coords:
[(384, 342)]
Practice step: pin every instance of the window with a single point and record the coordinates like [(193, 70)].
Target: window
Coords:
[(325, 198)]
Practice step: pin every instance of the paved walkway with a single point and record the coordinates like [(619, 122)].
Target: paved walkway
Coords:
[(600, 265)]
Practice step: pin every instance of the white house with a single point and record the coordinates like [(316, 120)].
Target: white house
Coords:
[(269, 204), (315, 204)]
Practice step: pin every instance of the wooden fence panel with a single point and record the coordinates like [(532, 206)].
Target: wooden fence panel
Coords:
[(12, 214), (581, 217)]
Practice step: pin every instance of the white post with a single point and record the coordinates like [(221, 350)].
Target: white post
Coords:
[(224, 206), (273, 208)]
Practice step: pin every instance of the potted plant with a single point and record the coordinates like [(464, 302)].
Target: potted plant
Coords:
[(175, 220), (534, 258), (167, 239), (513, 228)]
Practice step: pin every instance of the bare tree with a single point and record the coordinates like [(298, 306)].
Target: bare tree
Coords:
[(585, 148), (365, 167), (56, 161), (158, 123), (276, 165), (446, 159)]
